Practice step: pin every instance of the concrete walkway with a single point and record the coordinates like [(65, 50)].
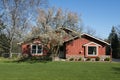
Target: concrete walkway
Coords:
[(115, 60)]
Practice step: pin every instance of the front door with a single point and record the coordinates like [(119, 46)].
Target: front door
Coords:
[(62, 52)]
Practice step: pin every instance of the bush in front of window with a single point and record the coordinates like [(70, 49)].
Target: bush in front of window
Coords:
[(97, 59), (34, 59), (107, 59), (79, 59), (41, 58), (88, 59), (75, 59), (71, 59), (47, 58)]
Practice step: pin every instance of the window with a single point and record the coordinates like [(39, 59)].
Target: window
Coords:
[(92, 50), (36, 49)]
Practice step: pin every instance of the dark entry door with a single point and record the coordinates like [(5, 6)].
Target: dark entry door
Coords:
[(62, 52)]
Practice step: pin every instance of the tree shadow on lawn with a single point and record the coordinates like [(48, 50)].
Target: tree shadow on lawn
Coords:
[(35, 59), (116, 69), (26, 60)]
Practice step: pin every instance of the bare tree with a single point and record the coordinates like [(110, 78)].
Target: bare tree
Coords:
[(51, 21), (90, 30), (17, 15), (55, 18)]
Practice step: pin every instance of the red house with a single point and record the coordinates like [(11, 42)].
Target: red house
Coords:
[(83, 47)]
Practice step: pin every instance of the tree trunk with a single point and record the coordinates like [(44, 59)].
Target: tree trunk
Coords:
[(10, 49), (57, 50), (56, 57)]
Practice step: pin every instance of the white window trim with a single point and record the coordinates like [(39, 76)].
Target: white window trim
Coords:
[(92, 46), (89, 44), (37, 49)]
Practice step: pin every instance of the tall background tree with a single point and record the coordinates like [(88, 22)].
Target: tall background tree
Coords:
[(18, 15), (114, 41), (118, 30), (4, 47)]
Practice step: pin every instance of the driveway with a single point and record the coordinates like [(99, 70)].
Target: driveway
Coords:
[(115, 60)]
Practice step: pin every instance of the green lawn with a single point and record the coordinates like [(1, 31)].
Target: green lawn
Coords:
[(60, 71)]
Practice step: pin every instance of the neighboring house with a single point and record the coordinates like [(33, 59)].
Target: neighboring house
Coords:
[(73, 47)]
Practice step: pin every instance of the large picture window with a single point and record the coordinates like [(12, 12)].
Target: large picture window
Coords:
[(36, 49), (92, 50)]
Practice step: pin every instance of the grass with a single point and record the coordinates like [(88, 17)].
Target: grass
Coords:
[(60, 71)]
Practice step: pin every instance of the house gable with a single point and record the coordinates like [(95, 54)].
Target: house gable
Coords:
[(74, 35), (92, 38)]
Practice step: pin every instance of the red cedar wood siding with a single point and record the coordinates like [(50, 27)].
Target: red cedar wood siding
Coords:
[(76, 48), (25, 48)]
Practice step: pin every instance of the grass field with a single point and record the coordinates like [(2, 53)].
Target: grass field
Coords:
[(60, 71)]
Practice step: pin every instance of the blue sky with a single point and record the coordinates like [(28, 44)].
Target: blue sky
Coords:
[(100, 15)]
